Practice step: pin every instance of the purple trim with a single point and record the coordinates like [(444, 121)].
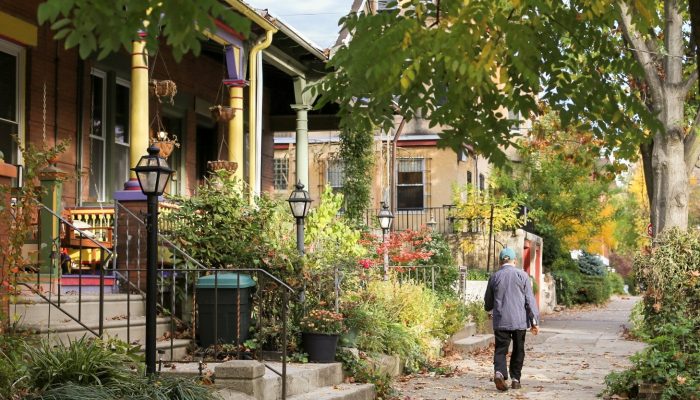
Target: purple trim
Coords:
[(129, 195), (235, 67)]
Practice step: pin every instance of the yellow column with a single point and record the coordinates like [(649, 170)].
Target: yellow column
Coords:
[(235, 130), (138, 123)]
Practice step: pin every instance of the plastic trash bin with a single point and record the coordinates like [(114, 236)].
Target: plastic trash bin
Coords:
[(220, 323)]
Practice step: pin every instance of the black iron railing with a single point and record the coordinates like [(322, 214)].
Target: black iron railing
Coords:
[(66, 254), (196, 331)]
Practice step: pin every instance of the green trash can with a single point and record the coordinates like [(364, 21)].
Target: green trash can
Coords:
[(220, 324)]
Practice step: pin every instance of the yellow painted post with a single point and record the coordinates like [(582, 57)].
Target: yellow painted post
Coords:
[(138, 123), (235, 130)]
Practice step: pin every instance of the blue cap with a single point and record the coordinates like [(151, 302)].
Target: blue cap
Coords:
[(507, 254)]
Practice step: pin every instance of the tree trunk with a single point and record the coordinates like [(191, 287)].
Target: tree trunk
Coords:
[(669, 206)]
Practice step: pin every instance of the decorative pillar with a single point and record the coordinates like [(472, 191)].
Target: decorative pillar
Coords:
[(302, 143), (138, 122), (51, 179), (304, 99), (235, 126)]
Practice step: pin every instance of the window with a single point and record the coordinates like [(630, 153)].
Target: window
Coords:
[(109, 135), (336, 175), (121, 134), (482, 182), (174, 126), (281, 173), (515, 117), (98, 119), (11, 99), (469, 178), (410, 184)]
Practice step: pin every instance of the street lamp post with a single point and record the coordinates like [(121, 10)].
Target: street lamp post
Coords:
[(153, 173), (385, 218), (299, 202)]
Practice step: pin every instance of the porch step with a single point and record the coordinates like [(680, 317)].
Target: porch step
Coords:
[(345, 391), (136, 329), (474, 344), (179, 352), (33, 310), (468, 330), (301, 378)]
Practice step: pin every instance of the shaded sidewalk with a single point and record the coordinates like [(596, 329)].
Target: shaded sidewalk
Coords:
[(567, 360)]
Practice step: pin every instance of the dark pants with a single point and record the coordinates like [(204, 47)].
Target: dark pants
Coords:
[(503, 339)]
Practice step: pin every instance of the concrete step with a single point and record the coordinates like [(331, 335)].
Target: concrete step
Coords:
[(301, 378), (133, 332), (473, 344), (345, 391), (179, 349), (33, 310), (468, 330)]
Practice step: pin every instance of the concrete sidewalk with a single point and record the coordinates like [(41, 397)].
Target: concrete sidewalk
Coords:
[(567, 360)]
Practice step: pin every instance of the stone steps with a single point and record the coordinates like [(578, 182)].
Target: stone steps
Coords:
[(252, 380), (473, 344), (33, 310), (345, 391)]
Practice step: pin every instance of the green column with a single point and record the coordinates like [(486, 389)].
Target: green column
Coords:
[(49, 236), (302, 144)]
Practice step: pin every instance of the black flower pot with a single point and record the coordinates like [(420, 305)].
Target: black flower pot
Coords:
[(320, 347)]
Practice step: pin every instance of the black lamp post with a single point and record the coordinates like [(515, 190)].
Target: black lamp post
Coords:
[(153, 173), (385, 218), (300, 202)]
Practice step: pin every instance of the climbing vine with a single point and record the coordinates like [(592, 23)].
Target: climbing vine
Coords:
[(356, 151)]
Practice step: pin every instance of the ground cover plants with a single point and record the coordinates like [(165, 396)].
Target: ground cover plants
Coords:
[(668, 320)]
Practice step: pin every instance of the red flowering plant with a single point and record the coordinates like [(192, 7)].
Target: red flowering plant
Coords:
[(405, 248), (323, 322)]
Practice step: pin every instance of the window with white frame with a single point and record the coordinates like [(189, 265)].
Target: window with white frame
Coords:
[(516, 118), (121, 133), (335, 175), (410, 184), (109, 135), (98, 135), (281, 173), (11, 99)]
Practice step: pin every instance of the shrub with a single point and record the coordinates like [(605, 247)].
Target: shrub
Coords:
[(476, 274), (594, 289), (475, 310), (568, 283), (670, 319), (85, 361), (616, 283), (322, 321), (589, 264), (455, 316)]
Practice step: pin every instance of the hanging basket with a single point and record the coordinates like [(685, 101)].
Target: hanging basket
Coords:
[(222, 165), (222, 113), (163, 89), (166, 148)]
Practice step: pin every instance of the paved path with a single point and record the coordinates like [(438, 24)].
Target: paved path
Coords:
[(567, 360)]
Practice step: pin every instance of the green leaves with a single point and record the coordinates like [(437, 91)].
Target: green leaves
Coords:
[(105, 27)]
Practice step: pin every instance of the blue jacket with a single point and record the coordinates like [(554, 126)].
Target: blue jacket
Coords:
[(509, 295)]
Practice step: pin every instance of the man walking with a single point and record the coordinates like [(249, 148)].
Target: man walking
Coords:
[(509, 295)]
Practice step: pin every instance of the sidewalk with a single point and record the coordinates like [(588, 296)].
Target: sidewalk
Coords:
[(567, 360)]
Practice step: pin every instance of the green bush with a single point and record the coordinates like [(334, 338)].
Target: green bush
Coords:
[(631, 283), (475, 310), (668, 320), (594, 290), (476, 274), (615, 282), (568, 283)]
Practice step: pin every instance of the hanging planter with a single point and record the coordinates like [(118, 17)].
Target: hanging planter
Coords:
[(222, 165), (165, 143), (222, 113), (163, 89)]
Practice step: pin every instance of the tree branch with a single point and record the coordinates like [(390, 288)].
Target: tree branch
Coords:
[(692, 145), (643, 56), (688, 83)]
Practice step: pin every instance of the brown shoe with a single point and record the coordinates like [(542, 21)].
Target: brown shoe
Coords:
[(515, 384), (500, 382)]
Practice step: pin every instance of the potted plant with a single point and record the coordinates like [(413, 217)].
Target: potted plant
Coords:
[(222, 113), (166, 143), (320, 331), (163, 89)]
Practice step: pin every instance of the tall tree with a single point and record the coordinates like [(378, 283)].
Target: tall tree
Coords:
[(621, 66)]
